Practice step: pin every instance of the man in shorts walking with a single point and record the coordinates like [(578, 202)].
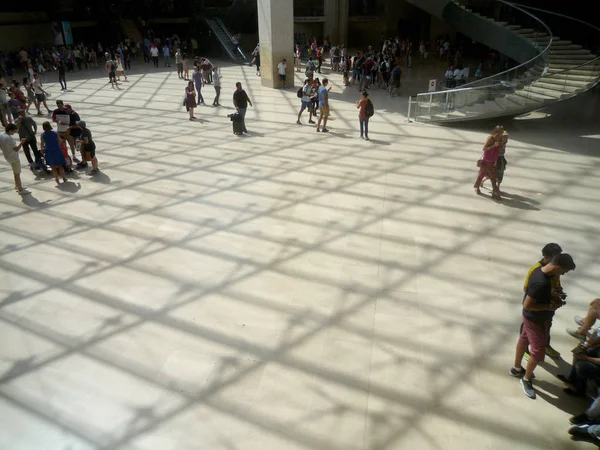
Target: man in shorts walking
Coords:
[(306, 102), (323, 94), (111, 70), (10, 151), (538, 307)]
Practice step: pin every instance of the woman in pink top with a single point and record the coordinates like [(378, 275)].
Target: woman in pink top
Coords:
[(488, 161)]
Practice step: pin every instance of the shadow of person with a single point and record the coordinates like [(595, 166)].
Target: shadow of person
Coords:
[(378, 142), (33, 202), (557, 397), (252, 133), (100, 177), (562, 367), (518, 204), (520, 198), (69, 186)]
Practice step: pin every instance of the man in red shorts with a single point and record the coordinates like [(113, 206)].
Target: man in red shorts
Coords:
[(538, 307)]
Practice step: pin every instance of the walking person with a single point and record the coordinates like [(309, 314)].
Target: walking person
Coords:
[(167, 55), (297, 58), (179, 63), (323, 96), (198, 82), (487, 163), (241, 102), (186, 68), (282, 67), (10, 150), (216, 76), (5, 115), (154, 54), (27, 129), (111, 69), (363, 116), (306, 102), (61, 75), (538, 305), (50, 148), (87, 146), (40, 94), (396, 79), (120, 71), (30, 94), (190, 99)]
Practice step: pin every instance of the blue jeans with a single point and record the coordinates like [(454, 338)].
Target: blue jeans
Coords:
[(242, 113), (167, 60), (364, 124), (581, 372), (593, 412), (200, 98)]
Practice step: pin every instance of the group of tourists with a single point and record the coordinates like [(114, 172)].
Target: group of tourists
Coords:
[(52, 155)]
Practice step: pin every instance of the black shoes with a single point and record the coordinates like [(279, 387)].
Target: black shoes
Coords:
[(583, 432)]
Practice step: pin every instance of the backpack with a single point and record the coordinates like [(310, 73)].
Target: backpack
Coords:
[(300, 92), (113, 65), (370, 109)]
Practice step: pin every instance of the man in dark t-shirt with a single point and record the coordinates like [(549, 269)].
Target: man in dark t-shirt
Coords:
[(537, 312), (241, 102)]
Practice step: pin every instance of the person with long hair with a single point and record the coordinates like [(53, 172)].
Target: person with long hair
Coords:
[(487, 163), (190, 99), (50, 148)]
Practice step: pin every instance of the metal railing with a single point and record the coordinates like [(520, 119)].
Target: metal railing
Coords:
[(502, 95)]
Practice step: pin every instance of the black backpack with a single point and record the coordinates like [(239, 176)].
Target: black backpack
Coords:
[(300, 92), (370, 109)]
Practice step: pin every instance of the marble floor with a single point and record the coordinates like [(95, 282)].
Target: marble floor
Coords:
[(287, 289)]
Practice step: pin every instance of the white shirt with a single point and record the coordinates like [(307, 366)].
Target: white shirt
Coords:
[(3, 96), (282, 66), (7, 143), (154, 51), (217, 79), (37, 86), (458, 74), (449, 74)]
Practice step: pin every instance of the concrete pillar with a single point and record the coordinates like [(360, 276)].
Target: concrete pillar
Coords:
[(331, 26), (343, 17), (276, 37)]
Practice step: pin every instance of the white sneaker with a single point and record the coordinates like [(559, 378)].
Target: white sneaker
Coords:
[(578, 320), (573, 332)]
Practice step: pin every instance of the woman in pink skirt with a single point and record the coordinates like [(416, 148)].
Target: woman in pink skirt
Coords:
[(487, 163)]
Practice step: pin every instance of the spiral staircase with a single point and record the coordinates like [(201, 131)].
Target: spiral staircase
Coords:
[(549, 68)]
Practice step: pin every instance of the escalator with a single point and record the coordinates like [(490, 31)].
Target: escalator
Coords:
[(226, 40)]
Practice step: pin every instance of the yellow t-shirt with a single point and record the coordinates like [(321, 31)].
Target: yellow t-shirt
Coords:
[(555, 278)]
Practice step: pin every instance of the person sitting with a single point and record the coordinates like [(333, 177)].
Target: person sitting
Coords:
[(586, 323), (585, 367)]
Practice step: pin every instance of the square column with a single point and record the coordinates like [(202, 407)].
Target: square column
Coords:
[(276, 38), (331, 26), (343, 17)]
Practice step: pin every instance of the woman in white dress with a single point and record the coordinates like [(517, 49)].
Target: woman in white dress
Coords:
[(120, 70)]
